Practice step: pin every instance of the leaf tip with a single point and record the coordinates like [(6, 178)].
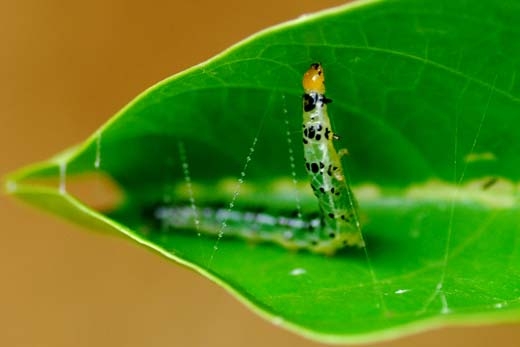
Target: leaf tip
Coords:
[(10, 186)]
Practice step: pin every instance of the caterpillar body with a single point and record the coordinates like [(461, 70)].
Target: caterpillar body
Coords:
[(287, 230), (328, 182), (335, 227)]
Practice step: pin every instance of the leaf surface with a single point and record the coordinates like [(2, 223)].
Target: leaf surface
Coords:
[(426, 100)]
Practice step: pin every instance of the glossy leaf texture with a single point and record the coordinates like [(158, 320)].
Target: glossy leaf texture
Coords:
[(427, 101)]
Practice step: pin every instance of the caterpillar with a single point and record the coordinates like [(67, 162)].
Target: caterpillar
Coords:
[(335, 227), (287, 230), (336, 200)]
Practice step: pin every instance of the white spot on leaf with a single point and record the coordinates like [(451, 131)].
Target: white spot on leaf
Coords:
[(298, 271)]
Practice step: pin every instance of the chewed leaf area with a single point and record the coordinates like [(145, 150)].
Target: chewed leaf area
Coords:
[(211, 164), (404, 273)]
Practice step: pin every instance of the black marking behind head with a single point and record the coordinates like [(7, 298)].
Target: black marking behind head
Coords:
[(308, 103)]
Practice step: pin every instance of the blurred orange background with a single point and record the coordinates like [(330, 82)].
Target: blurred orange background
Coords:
[(66, 68)]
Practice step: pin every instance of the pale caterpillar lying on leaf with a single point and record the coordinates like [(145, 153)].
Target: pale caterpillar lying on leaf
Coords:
[(336, 226)]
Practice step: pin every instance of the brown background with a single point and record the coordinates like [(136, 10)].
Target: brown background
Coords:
[(65, 69)]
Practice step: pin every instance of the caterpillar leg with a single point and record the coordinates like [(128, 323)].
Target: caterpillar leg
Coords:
[(343, 152)]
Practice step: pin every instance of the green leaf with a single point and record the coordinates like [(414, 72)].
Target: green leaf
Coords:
[(426, 100)]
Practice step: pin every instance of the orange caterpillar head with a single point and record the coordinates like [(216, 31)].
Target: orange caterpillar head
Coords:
[(314, 79)]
